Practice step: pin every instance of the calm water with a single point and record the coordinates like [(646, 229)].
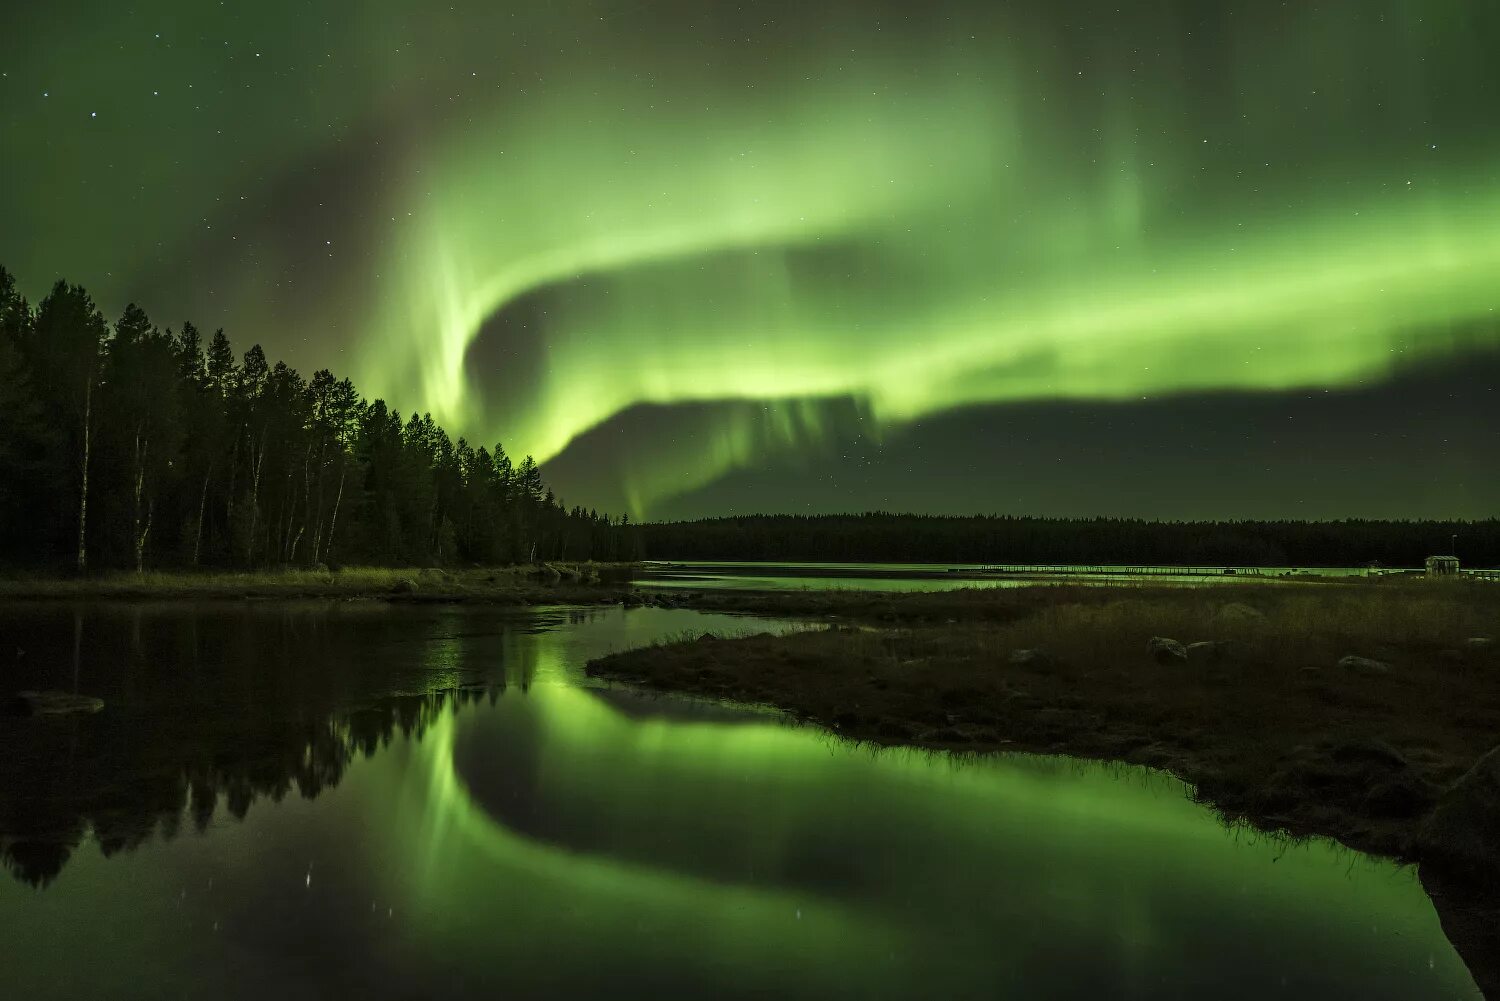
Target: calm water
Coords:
[(929, 576), (275, 803)]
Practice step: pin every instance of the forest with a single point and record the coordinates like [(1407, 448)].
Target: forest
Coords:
[(906, 538), (128, 446)]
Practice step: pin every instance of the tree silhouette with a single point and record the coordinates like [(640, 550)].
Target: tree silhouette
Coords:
[(176, 454)]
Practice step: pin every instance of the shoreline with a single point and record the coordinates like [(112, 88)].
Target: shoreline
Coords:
[(1269, 725), (546, 583)]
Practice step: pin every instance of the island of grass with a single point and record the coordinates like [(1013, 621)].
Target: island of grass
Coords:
[(1367, 712), (1341, 710)]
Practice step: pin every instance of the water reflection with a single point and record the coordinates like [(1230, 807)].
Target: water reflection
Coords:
[(212, 710), (485, 826)]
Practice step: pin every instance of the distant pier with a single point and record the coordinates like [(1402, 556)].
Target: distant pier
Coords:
[(1112, 570)]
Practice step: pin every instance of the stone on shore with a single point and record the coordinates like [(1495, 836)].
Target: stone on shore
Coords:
[(1166, 651), (1034, 658), (1364, 665)]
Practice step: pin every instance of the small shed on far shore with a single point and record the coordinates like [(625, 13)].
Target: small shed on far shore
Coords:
[(1442, 566)]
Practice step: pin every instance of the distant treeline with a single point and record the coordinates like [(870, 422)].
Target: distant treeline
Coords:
[(907, 538), (130, 446)]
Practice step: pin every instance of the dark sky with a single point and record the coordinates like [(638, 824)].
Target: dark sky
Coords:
[(1180, 259)]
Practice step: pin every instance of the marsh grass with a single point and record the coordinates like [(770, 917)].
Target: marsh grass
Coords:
[(1274, 732)]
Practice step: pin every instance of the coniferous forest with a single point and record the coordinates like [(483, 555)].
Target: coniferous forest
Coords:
[(128, 446), (908, 538), (125, 445)]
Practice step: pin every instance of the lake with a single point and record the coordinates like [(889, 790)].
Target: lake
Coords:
[(772, 576), (318, 800)]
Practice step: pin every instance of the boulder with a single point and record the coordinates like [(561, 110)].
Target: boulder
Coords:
[(54, 704), (1362, 776), (1364, 665), (1166, 651), (1033, 658), (1463, 832)]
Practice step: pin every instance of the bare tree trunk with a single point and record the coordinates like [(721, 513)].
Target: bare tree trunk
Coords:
[(137, 539), (257, 461), (287, 517), (316, 517), (306, 497), (333, 521), (140, 545), (202, 507), (234, 466), (83, 494)]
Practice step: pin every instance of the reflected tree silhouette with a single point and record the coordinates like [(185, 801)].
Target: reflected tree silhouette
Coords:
[(210, 710)]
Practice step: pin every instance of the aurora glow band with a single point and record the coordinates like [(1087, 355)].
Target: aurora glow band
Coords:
[(928, 236), (530, 220)]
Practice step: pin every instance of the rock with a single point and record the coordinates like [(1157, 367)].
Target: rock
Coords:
[(1166, 651), (54, 704), (404, 586), (1237, 612), (1360, 776), (1209, 651), (1464, 831), (1364, 665), (1033, 658)]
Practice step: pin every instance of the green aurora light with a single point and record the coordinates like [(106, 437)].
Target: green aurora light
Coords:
[(809, 210)]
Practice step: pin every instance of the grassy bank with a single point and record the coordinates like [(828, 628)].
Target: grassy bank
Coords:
[(1266, 725), (570, 583), (960, 604)]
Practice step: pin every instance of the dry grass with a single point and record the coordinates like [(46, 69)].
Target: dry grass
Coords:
[(521, 584)]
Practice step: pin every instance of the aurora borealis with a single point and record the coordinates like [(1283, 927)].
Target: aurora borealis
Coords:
[(802, 256)]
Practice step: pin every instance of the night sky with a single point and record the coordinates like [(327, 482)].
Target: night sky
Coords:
[(1178, 259)]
